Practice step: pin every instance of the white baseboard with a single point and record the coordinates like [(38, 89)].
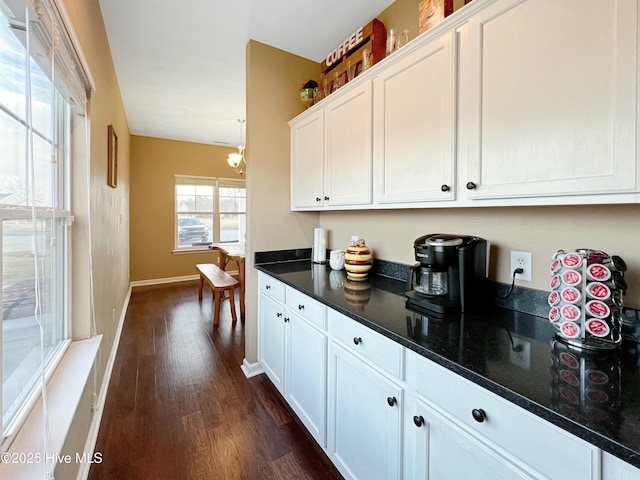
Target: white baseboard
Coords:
[(251, 369), (160, 281), (92, 437)]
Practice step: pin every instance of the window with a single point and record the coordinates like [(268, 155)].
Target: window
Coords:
[(38, 85), (208, 210)]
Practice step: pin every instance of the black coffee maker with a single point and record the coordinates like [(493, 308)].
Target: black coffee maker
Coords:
[(451, 277)]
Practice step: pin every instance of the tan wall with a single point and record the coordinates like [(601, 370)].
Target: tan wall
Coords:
[(273, 81), (154, 161), (539, 230), (109, 212)]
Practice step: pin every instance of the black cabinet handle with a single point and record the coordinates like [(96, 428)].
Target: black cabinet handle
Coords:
[(318, 199), (471, 186), (357, 340), (418, 420), (300, 307), (445, 188), (479, 415), (278, 314), (326, 198), (268, 287), (286, 319), (392, 401)]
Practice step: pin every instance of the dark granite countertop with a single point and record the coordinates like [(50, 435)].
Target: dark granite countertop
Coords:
[(514, 355)]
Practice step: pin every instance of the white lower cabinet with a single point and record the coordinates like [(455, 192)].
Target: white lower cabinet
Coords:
[(307, 375), (271, 348), (364, 423), (292, 349), (530, 446), (437, 448), (381, 411)]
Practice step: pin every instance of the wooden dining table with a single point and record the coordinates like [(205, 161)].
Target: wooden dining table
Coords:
[(234, 251)]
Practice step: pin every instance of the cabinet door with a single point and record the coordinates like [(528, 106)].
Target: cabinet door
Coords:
[(307, 160), (348, 148), (444, 451), (272, 340), (307, 375), (414, 125), (364, 419), (552, 98)]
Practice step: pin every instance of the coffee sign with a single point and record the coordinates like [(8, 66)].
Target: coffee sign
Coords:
[(349, 44), (372, 36)]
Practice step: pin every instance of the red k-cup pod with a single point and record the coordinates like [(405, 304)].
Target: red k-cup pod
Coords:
[(572, 260), (570, 330), (554, 298), (597, 396), (598, 309), (555, 282), (556, 265), (597, 377), (569, 377), (571, 277), (554, 314), (569, 360), (598, 272), (570, 295), (570, 313), (598, 327), (598, 290)]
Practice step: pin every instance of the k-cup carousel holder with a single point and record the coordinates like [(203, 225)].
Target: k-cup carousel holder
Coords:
[(585, 301)]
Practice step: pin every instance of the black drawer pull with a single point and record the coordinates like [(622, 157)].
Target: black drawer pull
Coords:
[(357, 340), (300, 307), (268, 287), (418, 420), (479, 415), (286, 319), (278, 314), (392, 401), (445, 188), (471, 186)]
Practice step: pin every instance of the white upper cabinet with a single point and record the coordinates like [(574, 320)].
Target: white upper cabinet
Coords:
[(307, 162), (506, 102), (414, 126), (552, 108), (348, 169), (331, 152)]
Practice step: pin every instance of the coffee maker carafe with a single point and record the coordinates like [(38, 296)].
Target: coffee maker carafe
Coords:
[(451, 274)]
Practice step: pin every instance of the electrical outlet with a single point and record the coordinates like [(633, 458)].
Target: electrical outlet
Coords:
[(522, 260)]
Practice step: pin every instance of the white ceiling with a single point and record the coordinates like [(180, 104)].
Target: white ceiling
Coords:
[(181, 64)]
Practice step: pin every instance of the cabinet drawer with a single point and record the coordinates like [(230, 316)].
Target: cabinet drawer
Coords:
[(306, 307), (271, 286), (361, 340), (550, 451)]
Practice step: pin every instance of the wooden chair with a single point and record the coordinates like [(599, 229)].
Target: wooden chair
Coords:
[(220, 282)]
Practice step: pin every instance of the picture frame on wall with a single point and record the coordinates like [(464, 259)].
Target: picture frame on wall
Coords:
[(112, 157)]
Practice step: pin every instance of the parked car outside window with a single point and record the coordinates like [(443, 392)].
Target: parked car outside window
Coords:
[(190, 228)]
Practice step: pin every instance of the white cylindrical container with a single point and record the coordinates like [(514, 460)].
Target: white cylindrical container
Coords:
[(319, 251)]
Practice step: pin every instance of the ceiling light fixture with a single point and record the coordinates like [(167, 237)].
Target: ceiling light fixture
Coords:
[(237, 160)]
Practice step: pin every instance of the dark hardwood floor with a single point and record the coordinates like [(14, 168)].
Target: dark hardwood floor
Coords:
[(179, 407)]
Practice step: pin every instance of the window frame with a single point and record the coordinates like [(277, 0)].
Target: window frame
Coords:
[(216, 183), (57, 210)]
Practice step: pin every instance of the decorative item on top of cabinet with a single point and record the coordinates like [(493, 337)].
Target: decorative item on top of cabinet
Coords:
[(348, 60), (308, 93), (432, 12)]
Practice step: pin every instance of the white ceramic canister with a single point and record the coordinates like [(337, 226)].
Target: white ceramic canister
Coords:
[(336, 259)]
